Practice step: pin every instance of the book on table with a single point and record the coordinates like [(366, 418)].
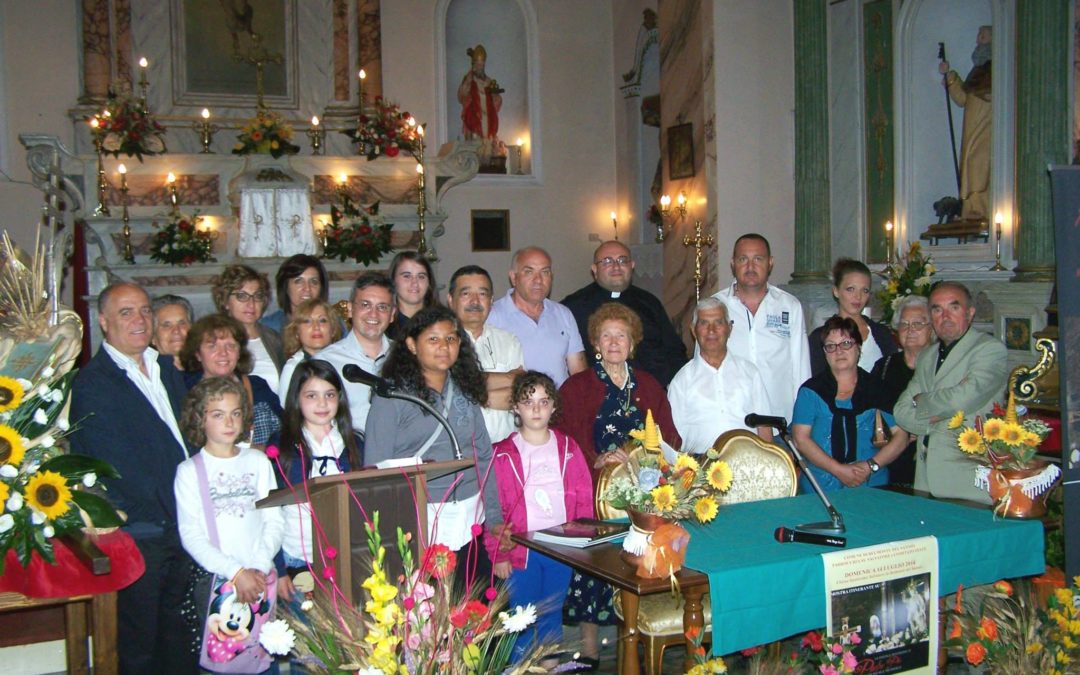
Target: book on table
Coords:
[(582, 532)]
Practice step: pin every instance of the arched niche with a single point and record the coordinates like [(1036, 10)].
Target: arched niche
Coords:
[(924, 170), (508, 32)]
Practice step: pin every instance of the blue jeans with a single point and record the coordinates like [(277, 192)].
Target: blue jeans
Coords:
[(543, 582)]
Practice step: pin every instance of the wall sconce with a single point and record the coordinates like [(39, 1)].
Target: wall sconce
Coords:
[(666, 211)]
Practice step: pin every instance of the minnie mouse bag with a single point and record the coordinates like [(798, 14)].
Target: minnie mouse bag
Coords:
[(230, 633)]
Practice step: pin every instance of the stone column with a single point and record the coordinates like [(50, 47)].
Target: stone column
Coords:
[(97, 66), (1043, 128), (812, 248)]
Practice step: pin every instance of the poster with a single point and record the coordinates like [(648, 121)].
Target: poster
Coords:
[(883, 601)]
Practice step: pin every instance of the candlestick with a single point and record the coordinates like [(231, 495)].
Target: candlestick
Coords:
[(144, 84), (518, 146), (206, 131), (316, 133), (174, 200), (129, 253), (998, 267), (888, 244), (615, 225), (363, 76), (102, 208), (343, 187)]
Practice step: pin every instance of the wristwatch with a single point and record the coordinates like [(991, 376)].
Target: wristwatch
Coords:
[(874, 466)]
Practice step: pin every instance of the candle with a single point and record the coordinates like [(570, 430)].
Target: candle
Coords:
[(363, 76), (681, 199), (665, 202), (420, 129), (171, 178), (613, 220), (420, 169), (520, 141), (94, 122), (314, 120), (342, 179), (205, 113), (122, 169), (143, 63)]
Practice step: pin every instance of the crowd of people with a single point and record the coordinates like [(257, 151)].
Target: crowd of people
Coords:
[(538, 412)]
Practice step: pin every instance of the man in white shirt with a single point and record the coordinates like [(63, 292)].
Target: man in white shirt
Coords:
[(715, 391), (127, 402), (768, 327), (366, 345), (499, 351), (547, 331)]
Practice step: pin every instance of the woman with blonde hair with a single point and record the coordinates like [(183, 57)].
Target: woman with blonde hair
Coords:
[(312, 326)]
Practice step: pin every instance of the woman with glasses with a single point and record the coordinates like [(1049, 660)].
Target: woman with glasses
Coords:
[(833, 424), (893, 372), (242, 293), (851, 289)]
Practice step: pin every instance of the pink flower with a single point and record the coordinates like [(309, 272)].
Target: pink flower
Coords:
[(837, 648), (850, 661), (855, 639), (408, 603), (828, 669)]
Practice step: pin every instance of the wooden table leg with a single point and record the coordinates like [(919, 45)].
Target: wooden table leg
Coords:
[(103, 616), (693, 617), (629, 636), (77, 653)]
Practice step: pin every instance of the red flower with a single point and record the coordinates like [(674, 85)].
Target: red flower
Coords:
[(364, 230), (751, 651), (812, 640), (188, 259), (998, 410), (439, 561), (957, 629), (185, 226), (469, 613), (1004, 587), (392, 151), (975, 653), (987, 629)]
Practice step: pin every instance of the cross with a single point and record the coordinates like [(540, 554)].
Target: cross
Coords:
[(699, 242), (258, 56)]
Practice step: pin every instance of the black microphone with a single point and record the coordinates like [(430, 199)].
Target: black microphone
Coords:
[(354, 373), (784, 536), (756, 420)]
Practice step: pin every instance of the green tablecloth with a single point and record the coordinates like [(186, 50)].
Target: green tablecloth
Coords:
[(763, 591)]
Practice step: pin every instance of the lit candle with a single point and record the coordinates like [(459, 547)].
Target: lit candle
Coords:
[(122, 169), (420, 129), (94, 122), (205, 113), (123, 178), (363, 76), (143, 63), (520, 141), (171, 178), (420, 169), (665, 203), (682, 199), (314, 120), (613, 220), (342, 179)]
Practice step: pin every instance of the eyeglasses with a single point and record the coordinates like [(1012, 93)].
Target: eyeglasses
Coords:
[(843, 346), (366, 305), (912, 325), (622, 260), (245, 297), (543, 403)]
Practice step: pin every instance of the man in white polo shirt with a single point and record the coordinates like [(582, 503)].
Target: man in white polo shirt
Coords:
[(768, 329)]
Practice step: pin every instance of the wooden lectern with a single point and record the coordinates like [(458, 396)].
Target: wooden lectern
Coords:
[(399, 495)]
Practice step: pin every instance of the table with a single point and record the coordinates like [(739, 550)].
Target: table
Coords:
[(763, 591)]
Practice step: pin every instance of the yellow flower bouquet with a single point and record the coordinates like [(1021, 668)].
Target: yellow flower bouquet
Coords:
[(268, 133)]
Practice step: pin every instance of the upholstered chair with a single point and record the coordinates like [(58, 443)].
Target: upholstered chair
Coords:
[(760, 470)]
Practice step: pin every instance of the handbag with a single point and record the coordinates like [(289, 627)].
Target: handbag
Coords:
[(882, 433), (230, 628)]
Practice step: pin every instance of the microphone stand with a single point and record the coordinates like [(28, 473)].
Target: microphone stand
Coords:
[(836, 525)]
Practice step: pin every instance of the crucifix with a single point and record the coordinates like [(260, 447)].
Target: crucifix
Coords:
[(258, 56), (699, 241)]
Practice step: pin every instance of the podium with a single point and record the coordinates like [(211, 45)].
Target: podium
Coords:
[(399, 495)]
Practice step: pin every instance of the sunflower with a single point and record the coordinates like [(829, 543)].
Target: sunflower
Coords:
[(48, 492), (686, 462), (11, 446), (1013, 434), (993, 428), (719, 476), (663, 498), (11, 394), (957, 420), (705, 509), (971, 442), (1032, 440)]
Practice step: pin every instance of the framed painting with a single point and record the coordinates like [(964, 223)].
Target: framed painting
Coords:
[(680, 145), (217, 45), (490, 230)]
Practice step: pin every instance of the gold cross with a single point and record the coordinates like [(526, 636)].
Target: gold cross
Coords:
[(258, 56), (699, 242)]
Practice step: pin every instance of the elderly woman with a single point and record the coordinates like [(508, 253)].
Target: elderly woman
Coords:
[(312, 327), (242, 293), (851, 289), (893, 372), (173, 317), (217, 346), (414, 288), (833, 421), (301, 277), (436, 362), (603, 404)]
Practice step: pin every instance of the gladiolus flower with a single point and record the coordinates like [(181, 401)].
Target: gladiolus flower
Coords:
[(1004, 587)]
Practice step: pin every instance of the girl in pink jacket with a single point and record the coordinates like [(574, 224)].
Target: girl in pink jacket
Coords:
[(543, 481)]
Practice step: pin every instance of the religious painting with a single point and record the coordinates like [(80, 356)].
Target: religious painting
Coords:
[(220, 45), (680, 142), (490, 230), (1017, 332)]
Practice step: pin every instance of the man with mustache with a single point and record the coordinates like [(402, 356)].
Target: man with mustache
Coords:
[(499, 351), (768, 328)]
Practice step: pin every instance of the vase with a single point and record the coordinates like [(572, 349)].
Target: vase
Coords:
[(1022, 493), (642, 526)]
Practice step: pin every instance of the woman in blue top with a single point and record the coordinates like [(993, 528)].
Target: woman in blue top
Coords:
[(833, 422)]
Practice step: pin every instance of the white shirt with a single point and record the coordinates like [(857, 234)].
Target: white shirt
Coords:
[(498, 351), (264, 366), (150, 386), (871, 352), (348, 350), (707, 401), (247, 536), (774, 340), (296, 541)]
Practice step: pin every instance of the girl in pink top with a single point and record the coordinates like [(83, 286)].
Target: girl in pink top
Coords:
[(543, 481)]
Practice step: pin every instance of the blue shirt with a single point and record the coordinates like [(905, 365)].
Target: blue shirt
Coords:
[(546, 343), (811, 410)]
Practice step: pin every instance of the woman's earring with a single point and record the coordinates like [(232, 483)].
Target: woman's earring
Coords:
[(597, 356), (517, 420)]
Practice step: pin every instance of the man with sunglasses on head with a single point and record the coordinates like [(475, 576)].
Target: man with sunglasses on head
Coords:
[(661, 352)]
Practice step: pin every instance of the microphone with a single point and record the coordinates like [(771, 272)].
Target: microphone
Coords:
[(354, 373), (784, 536), (756, 420)]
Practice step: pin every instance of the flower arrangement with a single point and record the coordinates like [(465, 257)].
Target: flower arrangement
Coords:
[(1005, 440), (386, 130), (126, 126), (702, 665), (356, 232), (180, 242), (1011, 633), (912, 274), (268, 133), (828, 655), (419, 624), (676, 489)]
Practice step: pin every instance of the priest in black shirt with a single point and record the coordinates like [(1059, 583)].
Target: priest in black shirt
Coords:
[(661, 352)]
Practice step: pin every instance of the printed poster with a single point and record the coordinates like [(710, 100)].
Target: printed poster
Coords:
[(884, 600)]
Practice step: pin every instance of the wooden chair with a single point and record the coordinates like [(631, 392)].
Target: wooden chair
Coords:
[(759, 470)]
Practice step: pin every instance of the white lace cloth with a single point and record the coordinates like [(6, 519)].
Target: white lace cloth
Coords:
[(275, 222)]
